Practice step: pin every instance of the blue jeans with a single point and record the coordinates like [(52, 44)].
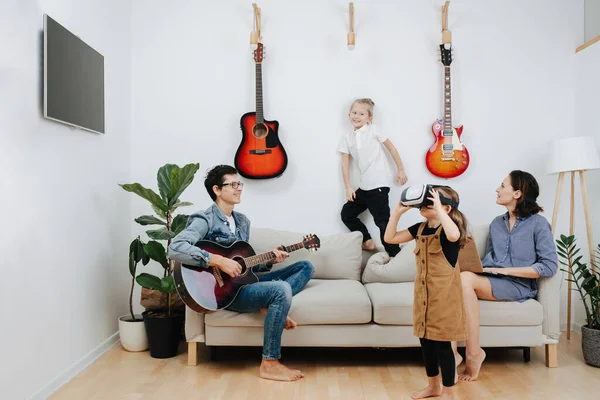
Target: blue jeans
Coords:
[(273, 291)]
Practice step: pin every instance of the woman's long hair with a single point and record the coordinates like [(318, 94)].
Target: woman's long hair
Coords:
[(455, 215), (530, 190)]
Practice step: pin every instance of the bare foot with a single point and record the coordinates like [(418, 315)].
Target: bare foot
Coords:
[(429, 391), (290, 324), (447, 396), (473, 366), (458, 358), (369, 245), (274, 370)]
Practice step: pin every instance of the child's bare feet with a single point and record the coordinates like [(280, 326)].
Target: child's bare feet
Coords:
[(429, 391), (473, 366), (447, 394), (458, 358), (274, 370), (290, 324), (369, 245)]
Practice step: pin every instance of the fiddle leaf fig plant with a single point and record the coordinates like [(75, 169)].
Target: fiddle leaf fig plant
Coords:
[(172, 182)]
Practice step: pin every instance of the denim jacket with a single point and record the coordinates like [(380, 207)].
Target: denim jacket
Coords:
[(210, 224)]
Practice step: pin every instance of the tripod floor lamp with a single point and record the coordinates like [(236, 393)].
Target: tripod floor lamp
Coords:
[(575, 154)]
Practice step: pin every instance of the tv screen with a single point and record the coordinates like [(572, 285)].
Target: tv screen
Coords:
[(73, 79)]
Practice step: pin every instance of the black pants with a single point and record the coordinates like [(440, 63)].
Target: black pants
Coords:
[(439, 353), (376, 201)]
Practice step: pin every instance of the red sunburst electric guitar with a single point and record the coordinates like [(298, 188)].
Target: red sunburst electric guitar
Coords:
[(260, 155), (448, 157)]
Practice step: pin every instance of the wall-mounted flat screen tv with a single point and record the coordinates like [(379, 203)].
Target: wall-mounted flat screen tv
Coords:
[(73, 79)]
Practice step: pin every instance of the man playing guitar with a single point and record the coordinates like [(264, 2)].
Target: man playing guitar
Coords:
[(272, 295)]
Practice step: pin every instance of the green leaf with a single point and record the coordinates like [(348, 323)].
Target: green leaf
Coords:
[(147, 194), (132, 263), (180, 181), (148, 281), (161, 234), (159, 212), (179, 223), (181, 204), (150, 220), (168, 284), (157, 252), (164, 180)]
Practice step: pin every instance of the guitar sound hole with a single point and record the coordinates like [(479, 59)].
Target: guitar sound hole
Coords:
[(260, 131), (240, 261)]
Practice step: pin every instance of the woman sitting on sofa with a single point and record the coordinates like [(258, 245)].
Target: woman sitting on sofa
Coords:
[(520, 249)]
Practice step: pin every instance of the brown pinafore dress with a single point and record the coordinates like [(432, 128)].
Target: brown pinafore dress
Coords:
[(438, 308)]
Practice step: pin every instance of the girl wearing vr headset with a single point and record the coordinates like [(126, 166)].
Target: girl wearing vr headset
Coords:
[(438, 309)]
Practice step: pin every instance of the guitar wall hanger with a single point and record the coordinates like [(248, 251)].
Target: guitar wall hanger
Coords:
[(446, 34), (255, 36), (351, 37)]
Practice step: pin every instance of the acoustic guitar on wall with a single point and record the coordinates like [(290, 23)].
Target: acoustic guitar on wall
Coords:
[(260, 154)]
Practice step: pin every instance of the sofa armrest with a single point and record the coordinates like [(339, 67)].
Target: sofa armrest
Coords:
[(194, 326), (549, 298)]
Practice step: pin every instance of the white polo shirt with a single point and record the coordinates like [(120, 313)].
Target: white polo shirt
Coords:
[(366, 147)]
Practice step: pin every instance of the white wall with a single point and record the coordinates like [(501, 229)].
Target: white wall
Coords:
[(65, 229), (587, 87), (193, 78), (592, 19)]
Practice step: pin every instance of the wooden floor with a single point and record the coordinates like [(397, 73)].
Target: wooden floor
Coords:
[(330, 374)]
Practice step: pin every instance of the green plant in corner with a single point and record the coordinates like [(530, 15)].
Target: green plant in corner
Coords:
[(172, 182), (586, 280), (136, 254)]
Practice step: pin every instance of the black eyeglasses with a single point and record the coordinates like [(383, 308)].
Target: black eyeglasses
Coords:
[(234, 185)]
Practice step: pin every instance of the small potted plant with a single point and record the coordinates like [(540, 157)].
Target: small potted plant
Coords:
[(586, 282), (131, 326), (164, 319)]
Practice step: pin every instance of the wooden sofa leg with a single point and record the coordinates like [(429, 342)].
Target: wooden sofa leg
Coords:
[(193, 353), (552, 355)]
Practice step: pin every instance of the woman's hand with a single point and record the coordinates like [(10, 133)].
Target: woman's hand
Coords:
[(437, 204)]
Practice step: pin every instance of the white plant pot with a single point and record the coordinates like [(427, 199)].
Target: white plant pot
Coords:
[(132, 334)]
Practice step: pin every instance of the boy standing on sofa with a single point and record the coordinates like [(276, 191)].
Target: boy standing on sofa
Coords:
[(272, 295), (366, 146)]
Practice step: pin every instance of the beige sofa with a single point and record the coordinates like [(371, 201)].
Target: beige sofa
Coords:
[(355, 300)]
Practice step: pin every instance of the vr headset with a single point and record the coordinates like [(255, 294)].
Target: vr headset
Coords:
[(417, 196)]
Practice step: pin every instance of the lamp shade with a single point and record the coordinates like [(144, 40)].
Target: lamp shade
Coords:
[(572, 154)]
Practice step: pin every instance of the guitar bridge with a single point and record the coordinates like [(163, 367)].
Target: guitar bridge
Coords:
[(448, 159), (260, 152), (218, 277)]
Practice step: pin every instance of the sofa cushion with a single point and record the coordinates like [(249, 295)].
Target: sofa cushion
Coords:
[(392, 305), (401, 269), (322, 301), (339, 256)]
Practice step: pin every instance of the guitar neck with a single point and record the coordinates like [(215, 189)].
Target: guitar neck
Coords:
[(448, 131), (270, 256), (259, 95)]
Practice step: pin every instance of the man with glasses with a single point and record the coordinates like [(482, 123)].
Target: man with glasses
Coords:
[(272, 295)]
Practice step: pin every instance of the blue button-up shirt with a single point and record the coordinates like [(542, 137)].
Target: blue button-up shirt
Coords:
[(529, 244), (210, 224)]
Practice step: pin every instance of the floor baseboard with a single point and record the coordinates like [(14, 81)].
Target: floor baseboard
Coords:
[(76, 368)]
